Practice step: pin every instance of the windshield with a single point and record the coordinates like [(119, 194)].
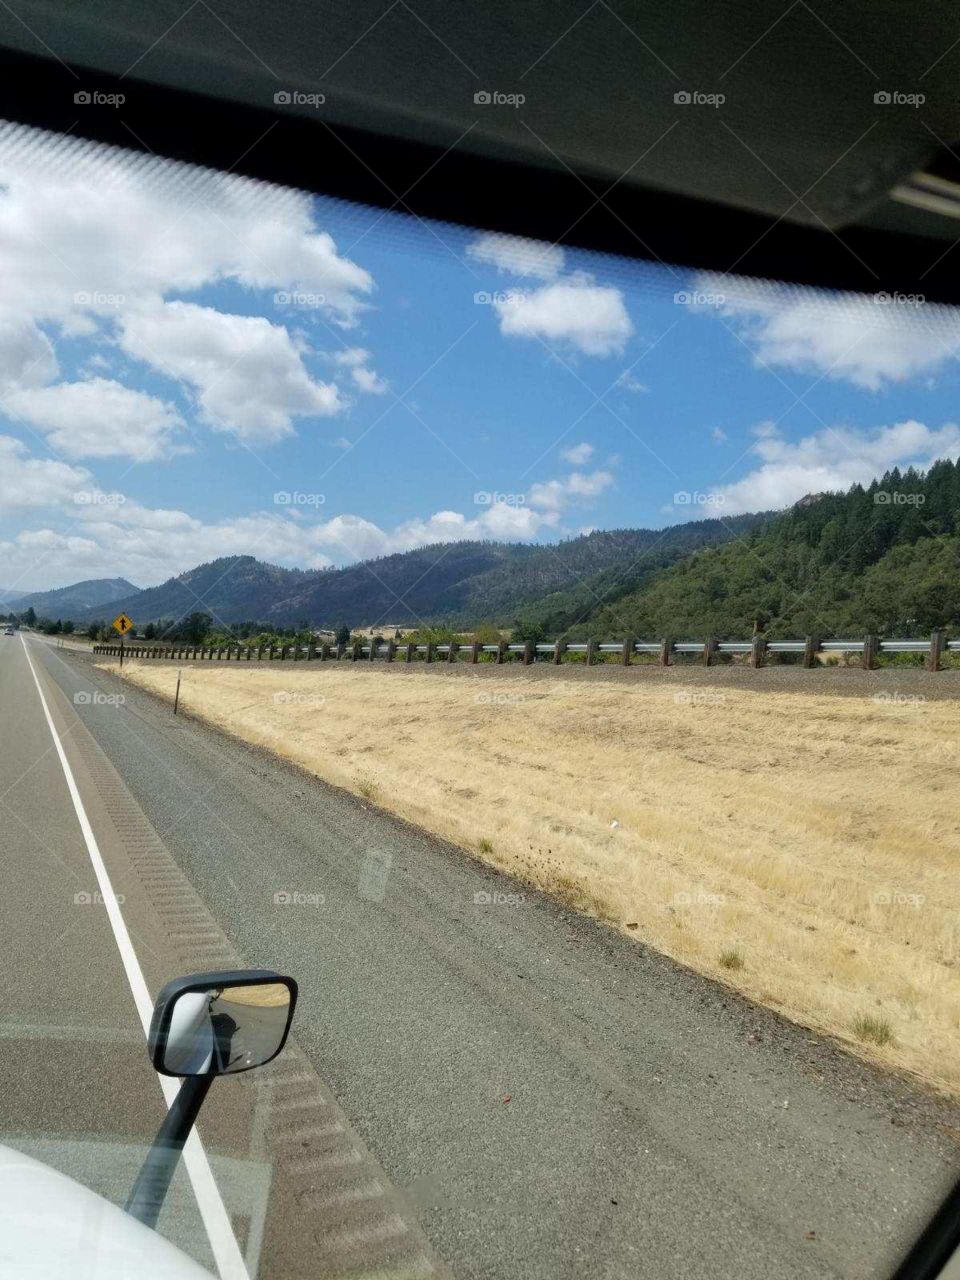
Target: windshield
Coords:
[(551, 662)]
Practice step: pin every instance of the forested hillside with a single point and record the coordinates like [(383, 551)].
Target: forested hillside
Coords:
[(882, 558)]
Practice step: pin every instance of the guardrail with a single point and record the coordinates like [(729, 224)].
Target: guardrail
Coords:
[(708, 650)]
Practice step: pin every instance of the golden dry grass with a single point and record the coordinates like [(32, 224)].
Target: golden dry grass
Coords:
[(804, 849)]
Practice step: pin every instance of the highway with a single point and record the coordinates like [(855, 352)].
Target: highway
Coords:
[(474, 1087)]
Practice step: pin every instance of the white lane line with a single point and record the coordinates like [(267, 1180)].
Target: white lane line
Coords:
[(223, 1242)]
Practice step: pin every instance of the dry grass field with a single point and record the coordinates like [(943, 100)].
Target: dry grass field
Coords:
[(801, 847)]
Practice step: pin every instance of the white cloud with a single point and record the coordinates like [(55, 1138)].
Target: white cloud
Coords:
[(247, 373), (590, 317), (833, 459), (85, 232), (629, 383), (99, 419), (718, 435), (351, 357), (843, 338), (577, 487), (518, 257), (36, 482), (369, 381), (577, 454)]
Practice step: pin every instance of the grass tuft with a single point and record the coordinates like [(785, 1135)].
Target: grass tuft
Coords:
[(730, 960), (876, 1030)]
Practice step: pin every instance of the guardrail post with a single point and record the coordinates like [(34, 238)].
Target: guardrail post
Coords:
[(475, 652), (591, 652), (453, 651), (559, 649), (356, 651), (374, 646), (665, 648), (527, 652), (869, 659), (429, 650), (324, 651), (628, 650), (709, 651), (311, 651), (758, 655), (501, 650), (936, 651), (811, 647), (391, 649), (411, 649), (270, 652)]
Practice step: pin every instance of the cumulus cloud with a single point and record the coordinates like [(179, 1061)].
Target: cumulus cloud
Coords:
[(869, 342), (93, 240), (90, 533), (36, 482), (516, 256), (247, 374), (577, 454), (833, 459), (575, 311), (100, 419), (579, 486)]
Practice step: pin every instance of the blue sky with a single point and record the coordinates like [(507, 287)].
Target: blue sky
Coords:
[(193, 366)]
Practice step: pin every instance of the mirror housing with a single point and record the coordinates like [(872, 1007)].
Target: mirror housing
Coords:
[(221, 1023)]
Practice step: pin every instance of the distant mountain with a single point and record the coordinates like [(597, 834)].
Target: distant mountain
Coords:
[(459, 583), (69, 602), (462, 583), (231, 589)]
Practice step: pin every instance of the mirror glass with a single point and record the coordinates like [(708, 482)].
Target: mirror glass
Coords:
[(226, 1029)]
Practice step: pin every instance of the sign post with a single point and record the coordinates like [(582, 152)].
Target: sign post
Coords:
[(123, 624)]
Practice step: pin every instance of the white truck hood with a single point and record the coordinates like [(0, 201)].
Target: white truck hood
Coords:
[(52, 1228)]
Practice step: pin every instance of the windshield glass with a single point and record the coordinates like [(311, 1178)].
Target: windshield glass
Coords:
[(551, 662)]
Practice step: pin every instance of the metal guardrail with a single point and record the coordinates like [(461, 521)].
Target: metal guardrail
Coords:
[(708, 650)]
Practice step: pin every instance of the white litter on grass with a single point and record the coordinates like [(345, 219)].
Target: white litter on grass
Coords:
[(614, 823)]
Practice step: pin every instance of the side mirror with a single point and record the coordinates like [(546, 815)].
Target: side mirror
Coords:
[(211, 1024)]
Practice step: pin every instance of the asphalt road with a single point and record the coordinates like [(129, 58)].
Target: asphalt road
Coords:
[(482, 1088)]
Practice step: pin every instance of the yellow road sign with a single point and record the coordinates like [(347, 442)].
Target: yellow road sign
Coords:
[(123, 624)]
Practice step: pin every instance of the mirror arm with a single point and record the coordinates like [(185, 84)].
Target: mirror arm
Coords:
[(153, 1181)]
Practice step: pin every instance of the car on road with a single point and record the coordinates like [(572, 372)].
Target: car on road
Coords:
[(8, 631)]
